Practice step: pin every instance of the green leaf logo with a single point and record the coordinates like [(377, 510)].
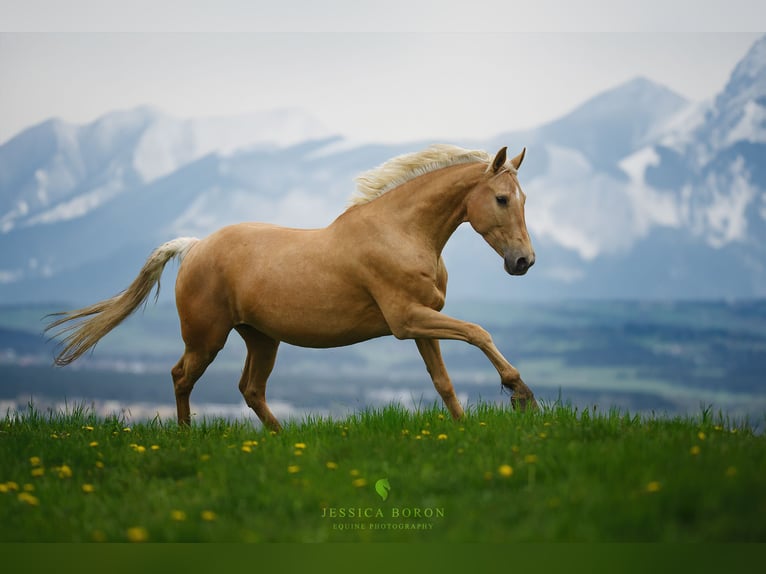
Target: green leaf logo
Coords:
[(382, 487)]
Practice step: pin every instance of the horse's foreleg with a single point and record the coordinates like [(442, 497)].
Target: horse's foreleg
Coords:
[(261, 356), (431, 353), (421, 322)]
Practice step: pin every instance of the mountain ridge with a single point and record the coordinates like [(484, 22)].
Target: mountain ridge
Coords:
[(635, 191)]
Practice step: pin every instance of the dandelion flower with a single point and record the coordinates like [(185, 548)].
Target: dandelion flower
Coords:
[(695, 450), (137, 534), (88, 428), (530, 458), (35, 461), (208, 515), (93, 443), (29, 499), (298, 453), (99, 464), (3, 487), (12, 485), (88, 488), (246, 448), (332, 465), (359, 482), (505, 470), (204, 457), (440, 417), (442, 437), (425, 432), (29, 487), (64, 471), (293, 468), (300, 445), (653, 486), (701, 435), (177, 515), (155, 447), (127, 429), (38, 471), (354, 472), (482, 424)]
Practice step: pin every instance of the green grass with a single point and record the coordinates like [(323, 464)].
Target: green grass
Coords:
[(557, 475)]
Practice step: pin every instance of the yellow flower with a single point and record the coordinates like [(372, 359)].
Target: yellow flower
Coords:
[(405, 432), (354, 472), (440, 417), (653, 486), (695, 450), (127, 429), (29, 487), (298, 453), (542, 435), (88, 428), (425, 432), (701, 435), (177, 515), (93, 443), (38, 471), (99, 464), (35, 461), (246, 448), (28, 498), (442, 437), (482, 424), (88, 488), (332, 465), (64, 471), (208, 515), (505, 470), (155, 447), (138, 448), (3, 488), (204, 457), (300, 445), (293, 468), (250, 443), (137, 534), (530, 458), (359, 482), (10, 485)]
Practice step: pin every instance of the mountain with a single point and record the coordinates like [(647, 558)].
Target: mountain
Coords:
[(636, 193)]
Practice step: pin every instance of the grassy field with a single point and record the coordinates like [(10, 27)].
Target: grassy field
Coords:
[(385, 475)]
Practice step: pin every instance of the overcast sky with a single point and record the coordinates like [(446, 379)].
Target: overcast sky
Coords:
[(432, 75)]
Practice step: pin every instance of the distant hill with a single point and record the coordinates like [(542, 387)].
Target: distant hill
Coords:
[(637, 193)]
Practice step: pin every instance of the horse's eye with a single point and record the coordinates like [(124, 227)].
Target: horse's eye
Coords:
[(502, 200)]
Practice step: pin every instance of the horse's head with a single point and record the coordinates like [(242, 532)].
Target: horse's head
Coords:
[(495, 209)]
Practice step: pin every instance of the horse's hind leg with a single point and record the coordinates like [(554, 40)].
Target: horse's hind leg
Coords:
[(261, 356), (202, 346)]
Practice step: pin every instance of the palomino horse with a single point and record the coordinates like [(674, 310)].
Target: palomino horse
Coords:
[(376, 270)]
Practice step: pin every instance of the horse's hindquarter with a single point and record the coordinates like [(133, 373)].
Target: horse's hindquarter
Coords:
[(296, 286)]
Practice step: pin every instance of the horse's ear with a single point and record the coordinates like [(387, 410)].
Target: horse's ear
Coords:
[(499, 160), (516, 162)]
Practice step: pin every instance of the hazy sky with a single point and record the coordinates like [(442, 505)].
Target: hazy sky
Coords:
[(400, 79)]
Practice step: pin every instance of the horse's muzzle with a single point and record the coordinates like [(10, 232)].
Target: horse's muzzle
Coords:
[(518, 265)]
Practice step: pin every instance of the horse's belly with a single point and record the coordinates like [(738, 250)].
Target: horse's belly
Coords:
[(309, 326)]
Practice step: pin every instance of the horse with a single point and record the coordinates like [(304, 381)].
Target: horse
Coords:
[(376, 270)]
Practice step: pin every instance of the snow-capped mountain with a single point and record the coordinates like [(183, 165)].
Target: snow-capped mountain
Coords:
[(636, 193)]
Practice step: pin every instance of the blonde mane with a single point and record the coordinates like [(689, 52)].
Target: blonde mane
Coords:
[(393, 173)]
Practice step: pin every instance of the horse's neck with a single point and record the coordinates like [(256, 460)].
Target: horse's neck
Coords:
[(434, 205)]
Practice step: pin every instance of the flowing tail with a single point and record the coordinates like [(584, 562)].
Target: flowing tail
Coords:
[(106, 315)]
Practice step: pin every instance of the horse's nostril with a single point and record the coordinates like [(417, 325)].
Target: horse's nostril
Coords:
[(521, 264)]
